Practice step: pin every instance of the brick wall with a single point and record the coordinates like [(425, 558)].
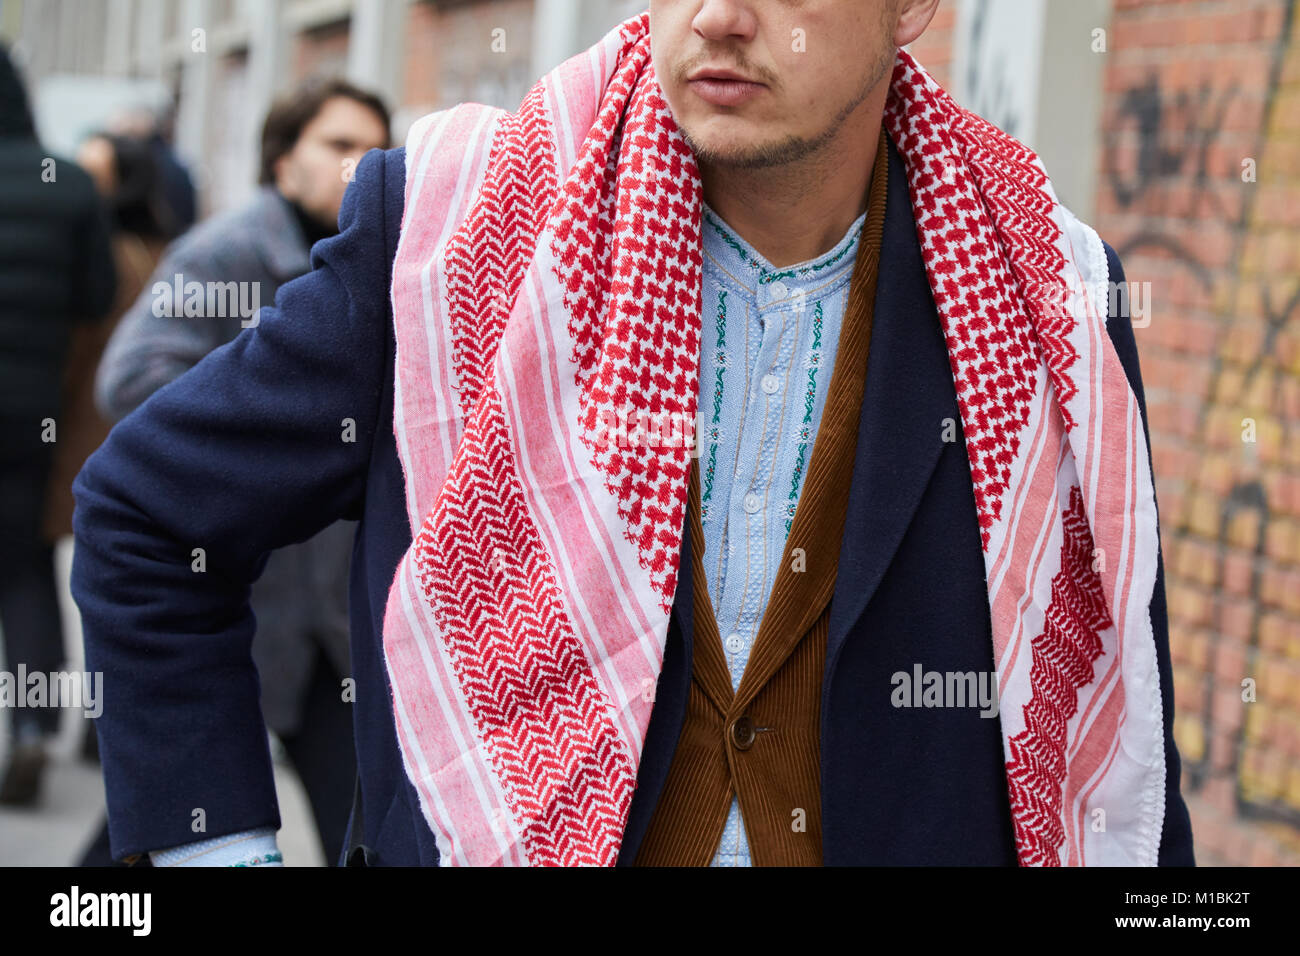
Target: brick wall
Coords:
[(321, 51), (1200, 195), (933, 48), (453, 55)]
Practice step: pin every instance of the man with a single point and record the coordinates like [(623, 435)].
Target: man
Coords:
[(56, 274), (311, 141), (547, 673)]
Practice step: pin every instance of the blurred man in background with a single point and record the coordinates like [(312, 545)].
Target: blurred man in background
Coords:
[(56, 270), (311, 141)]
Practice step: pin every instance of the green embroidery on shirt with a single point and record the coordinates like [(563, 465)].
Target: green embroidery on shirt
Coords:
[(708, 472), (800, 271), (721, 358), (809, 401), (261, 858), (806, 271)]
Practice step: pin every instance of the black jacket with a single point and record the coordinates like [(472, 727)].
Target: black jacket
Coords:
[(56, 262)]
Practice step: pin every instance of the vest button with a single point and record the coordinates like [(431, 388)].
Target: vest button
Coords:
[(742, 733)]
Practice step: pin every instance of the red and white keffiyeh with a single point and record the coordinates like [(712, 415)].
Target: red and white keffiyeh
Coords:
[(548, 278)]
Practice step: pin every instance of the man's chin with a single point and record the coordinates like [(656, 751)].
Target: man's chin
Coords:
[(721, 141), (734, 151)]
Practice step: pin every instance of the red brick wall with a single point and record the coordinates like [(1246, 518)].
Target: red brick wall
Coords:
[(1193, 90), (933, 48), (423, 53), (450, 57), (323, 50)]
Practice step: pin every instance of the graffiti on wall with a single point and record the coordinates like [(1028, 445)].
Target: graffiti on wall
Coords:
[(1161, 147)]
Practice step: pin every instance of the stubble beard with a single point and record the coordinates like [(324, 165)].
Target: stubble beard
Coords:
[(793, 148)]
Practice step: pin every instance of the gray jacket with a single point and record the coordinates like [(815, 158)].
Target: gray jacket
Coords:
[(239, 259)]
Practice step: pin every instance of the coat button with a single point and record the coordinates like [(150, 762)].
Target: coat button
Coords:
[(742, 733)]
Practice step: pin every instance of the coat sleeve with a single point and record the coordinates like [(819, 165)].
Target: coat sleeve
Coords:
[(1176, 835), (263, 443)]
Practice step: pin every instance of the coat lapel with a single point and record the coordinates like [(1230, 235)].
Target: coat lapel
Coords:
[(909, 394)]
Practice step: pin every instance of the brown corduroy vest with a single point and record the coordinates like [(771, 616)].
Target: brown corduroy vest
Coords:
[(762, 741)]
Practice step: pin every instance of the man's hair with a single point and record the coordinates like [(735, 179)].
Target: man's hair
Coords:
[(289, 115)]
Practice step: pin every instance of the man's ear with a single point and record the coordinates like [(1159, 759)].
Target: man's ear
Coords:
[(913, 17)]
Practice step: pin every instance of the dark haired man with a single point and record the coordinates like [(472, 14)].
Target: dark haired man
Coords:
[(311, 141), (310, 137)]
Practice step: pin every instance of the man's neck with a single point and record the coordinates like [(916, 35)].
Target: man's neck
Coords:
[(799, 211), (313, 230)]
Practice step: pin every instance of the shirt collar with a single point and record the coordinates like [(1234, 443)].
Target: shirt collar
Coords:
[(747, 267)]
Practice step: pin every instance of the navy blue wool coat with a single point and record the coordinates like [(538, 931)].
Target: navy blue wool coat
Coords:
[(245, 453)]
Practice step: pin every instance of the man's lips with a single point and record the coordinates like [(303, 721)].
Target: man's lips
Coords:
[(724, 92)]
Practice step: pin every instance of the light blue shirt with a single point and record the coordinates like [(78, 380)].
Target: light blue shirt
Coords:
[(767, 350)]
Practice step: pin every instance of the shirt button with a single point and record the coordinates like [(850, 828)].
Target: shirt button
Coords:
[(752, 502), (742, 733), (770, 383), (777, 291), (735, 643)]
